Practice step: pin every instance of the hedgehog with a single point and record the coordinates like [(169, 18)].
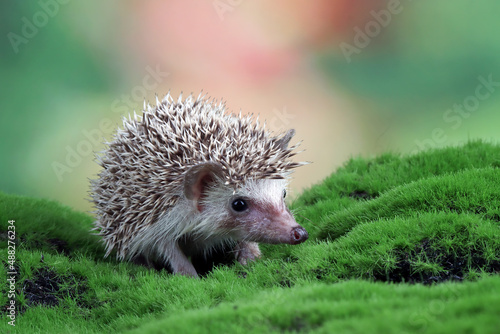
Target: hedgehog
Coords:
[(186, 177)]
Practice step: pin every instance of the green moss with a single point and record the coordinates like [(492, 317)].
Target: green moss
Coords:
[(353, 307), (48, 226), (376, 176), (377, 227), (473, 191)]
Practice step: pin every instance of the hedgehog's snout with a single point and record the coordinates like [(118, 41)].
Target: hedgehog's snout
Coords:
[(299, 235)]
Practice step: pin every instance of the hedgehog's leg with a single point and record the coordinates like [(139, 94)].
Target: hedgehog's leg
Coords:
[(179, 262), (247, 251)]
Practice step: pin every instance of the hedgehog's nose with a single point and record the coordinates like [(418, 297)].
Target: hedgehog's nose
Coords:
[(299, 235)]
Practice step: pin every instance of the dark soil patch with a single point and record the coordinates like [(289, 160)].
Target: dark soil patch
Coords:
[(455, 267), (43, 288), (48, 288), (361, 195)]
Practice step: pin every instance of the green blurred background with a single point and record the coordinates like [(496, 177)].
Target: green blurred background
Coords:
[(69, 70)]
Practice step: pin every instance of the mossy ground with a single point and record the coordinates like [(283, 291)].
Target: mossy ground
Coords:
[(398, 244)]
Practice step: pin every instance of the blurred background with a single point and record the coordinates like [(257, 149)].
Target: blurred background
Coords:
[(352, 77)]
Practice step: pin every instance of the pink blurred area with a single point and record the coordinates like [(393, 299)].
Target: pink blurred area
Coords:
[(246, 42)]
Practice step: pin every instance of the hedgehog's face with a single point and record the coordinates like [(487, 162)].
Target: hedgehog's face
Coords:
[(256, 211)]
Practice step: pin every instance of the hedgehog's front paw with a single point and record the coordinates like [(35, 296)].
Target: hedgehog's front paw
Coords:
[(247, 251)]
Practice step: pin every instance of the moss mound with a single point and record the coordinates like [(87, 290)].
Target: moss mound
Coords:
[(398, 244)]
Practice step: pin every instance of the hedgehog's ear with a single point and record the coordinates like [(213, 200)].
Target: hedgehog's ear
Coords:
[(283, 142), (198, 178)]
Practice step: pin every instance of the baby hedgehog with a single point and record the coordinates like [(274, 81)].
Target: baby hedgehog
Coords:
[(185, 177)]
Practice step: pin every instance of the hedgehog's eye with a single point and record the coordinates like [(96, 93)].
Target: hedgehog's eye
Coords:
[(284, 193), (239, 205)]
